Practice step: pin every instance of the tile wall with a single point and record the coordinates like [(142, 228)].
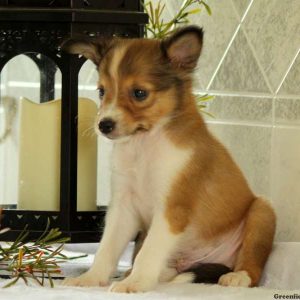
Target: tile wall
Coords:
[(251, 63)]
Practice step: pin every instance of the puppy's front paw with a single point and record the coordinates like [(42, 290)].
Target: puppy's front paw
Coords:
[(240, 278), (130, 285), (87, 279)]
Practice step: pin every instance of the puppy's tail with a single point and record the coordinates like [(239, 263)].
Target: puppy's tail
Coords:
[(202, 273)]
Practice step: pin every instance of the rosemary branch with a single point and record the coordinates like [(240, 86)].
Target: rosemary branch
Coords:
[(37, 260), (159, 28)]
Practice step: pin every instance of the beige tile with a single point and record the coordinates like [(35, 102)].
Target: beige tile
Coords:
[(273, 26), (285, 182), (242, 109), (218, 30), (291, 84), (239, 70), (250, 147), (241, 6), (287, 111)]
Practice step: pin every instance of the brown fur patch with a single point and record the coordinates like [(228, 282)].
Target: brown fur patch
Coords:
[(257, 244), (212, 196), (211, 192)]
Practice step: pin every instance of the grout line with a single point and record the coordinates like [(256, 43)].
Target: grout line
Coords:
[(245, 94), (283, 96), (233, 93), (246, 11), (272, 148), (287, 72), (239, 123), (256, 124), (273, 112)]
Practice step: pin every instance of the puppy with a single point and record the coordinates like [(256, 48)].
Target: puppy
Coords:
[(172, 180)]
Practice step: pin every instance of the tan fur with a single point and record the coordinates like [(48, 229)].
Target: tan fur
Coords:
[(210, 194), (258, 240), (226, 198), (211, 176)]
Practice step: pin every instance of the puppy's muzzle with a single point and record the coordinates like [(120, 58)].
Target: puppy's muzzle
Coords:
[(107, 125)]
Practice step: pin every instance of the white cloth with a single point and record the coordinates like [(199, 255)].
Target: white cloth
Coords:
[(281, 277)]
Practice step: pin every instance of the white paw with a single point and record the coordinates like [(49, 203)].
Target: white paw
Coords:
[(239, 278), (129, 285), (87, 279)]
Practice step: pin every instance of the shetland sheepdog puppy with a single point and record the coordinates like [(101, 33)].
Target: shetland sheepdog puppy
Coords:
[(172, 180)]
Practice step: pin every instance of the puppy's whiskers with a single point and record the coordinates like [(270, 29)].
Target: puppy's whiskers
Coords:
[(89, 132)]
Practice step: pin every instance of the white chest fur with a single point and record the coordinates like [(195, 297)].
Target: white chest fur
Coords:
[(144, 169)]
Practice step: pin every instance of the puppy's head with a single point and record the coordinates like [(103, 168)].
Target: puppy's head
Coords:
[(141, 81)]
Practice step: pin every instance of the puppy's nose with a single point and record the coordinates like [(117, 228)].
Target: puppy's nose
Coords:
[(107, 125)]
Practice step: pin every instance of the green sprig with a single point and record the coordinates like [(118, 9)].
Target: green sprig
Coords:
[(37, 260), (201, 101), (159, 28)]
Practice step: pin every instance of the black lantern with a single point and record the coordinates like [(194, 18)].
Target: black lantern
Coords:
[(36, 28)]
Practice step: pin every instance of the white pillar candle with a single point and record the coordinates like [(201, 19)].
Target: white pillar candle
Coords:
[(87, 156), (39, 155)]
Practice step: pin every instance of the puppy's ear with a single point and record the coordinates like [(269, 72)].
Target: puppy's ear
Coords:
[(93, 49), (183, 47)]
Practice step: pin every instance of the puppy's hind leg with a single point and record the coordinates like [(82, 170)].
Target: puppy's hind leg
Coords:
[(257, 244)]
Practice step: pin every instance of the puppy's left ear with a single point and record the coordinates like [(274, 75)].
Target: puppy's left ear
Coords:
[(183, 47), (93, 49)]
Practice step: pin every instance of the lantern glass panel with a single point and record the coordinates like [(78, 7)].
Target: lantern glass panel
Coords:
[(93, 176), (30, 117)]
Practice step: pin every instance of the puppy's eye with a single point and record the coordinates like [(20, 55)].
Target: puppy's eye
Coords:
[(139, 95), (101, 92)]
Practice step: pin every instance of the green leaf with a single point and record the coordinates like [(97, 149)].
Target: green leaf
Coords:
[(194, 11), (161, 10), (156, 14), (50, 279), (205, 98), (151, 11), (24, 279), (11, 283), (36, 279), (44, 233), (75, 257), (207, 113), (21, 237), (207, 8)]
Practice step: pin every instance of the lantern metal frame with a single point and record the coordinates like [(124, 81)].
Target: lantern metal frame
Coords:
[(40, 26)]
